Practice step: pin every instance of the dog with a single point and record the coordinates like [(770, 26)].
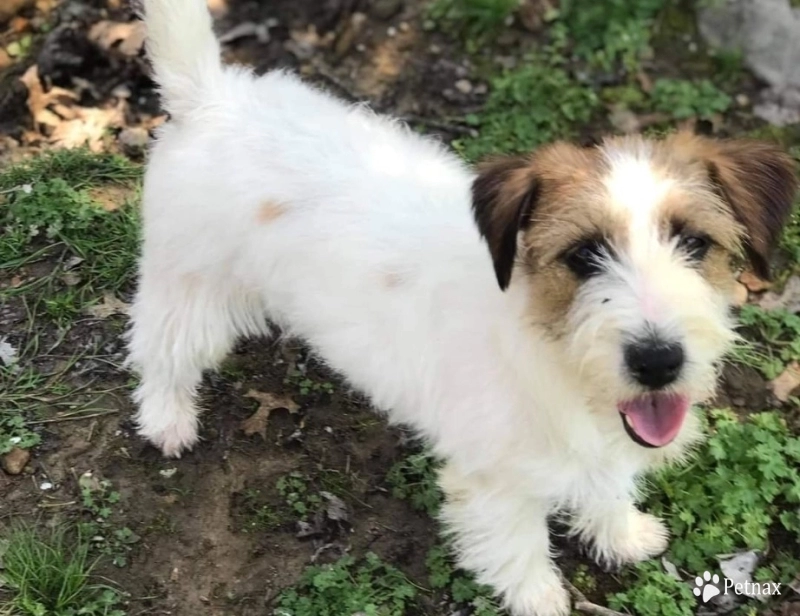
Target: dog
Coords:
[(546, 321)]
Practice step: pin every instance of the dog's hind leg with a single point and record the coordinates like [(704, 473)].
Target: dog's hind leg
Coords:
[(181, 326)]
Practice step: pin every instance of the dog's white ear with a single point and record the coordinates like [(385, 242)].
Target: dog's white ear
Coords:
[(503, 197), (759, 183)]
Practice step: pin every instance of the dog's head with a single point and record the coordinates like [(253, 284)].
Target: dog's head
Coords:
[(628, 252)]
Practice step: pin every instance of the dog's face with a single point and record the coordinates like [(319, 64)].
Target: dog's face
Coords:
[(628, 252)]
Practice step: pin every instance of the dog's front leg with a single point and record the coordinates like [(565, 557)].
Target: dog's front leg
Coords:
[(500, 534), (617, 531)]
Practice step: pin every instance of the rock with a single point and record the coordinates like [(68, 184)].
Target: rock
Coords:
[(464, 86), (767, 33), (9, 8), (15, 460), (134, 139), (386, 9)]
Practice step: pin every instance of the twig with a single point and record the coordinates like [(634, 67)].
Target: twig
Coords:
[(72, 417), (67, 504), (582, 604)]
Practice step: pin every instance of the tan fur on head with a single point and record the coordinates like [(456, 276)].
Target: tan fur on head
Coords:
[(756, 179)]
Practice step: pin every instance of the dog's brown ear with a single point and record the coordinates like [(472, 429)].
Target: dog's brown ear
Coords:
[(759, 182), (503, 197)]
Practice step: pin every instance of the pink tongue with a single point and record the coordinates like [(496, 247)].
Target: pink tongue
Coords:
[(656, 418)]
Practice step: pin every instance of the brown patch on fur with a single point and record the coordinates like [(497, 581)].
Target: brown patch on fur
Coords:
[(392, 280), (269, 211), (696, 209), (549, 195), (756, 180)]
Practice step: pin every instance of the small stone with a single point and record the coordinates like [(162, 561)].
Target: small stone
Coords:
[(742, 100), (5, 59), (15, 460), (134, 139), (464, 86), (9, 8), (481, 88), (386, 9), (435, 49), (404, 26), (391, 31)]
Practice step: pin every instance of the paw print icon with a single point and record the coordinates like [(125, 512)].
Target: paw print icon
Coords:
[(705, 587)]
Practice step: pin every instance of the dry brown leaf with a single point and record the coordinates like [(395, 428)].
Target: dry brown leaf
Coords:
[(109, 306), (39, 100), (125, 37), (786, 382), (9, 8), (645, 82), (753, 282), (88, 126), (5, 59), (111, 197), (267, 402)]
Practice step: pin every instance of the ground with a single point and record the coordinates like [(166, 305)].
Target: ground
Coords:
[(300, 501)]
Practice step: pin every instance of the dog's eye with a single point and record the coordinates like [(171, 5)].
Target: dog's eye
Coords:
[(695, 246), (586, 258)]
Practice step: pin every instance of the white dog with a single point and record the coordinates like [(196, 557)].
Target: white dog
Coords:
[(550, 370)]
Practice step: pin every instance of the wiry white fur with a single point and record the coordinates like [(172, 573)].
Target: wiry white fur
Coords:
[(373, 258)]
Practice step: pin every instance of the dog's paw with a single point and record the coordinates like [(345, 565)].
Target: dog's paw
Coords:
[(173, 439), (545, 596), (644, 536)]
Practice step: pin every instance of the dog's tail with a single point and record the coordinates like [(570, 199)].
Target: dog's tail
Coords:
[(185, 54)]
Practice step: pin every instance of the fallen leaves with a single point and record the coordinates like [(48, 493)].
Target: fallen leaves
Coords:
[(111, 197), (267, 403), (126, 38), (109, 306), (786, 382), (62, 121)]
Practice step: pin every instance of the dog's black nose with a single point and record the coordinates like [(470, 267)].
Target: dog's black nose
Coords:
[(654, 363)]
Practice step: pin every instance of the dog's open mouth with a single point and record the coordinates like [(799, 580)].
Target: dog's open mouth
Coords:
[(654, 419)]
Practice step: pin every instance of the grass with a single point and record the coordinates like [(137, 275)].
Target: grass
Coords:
[(100, 501), (60, 251), (475, 21), (528, 106), (741, 486), (367, 586), (53, 214), (49, 573), (414, 478), (682, 99), (778, 338)]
